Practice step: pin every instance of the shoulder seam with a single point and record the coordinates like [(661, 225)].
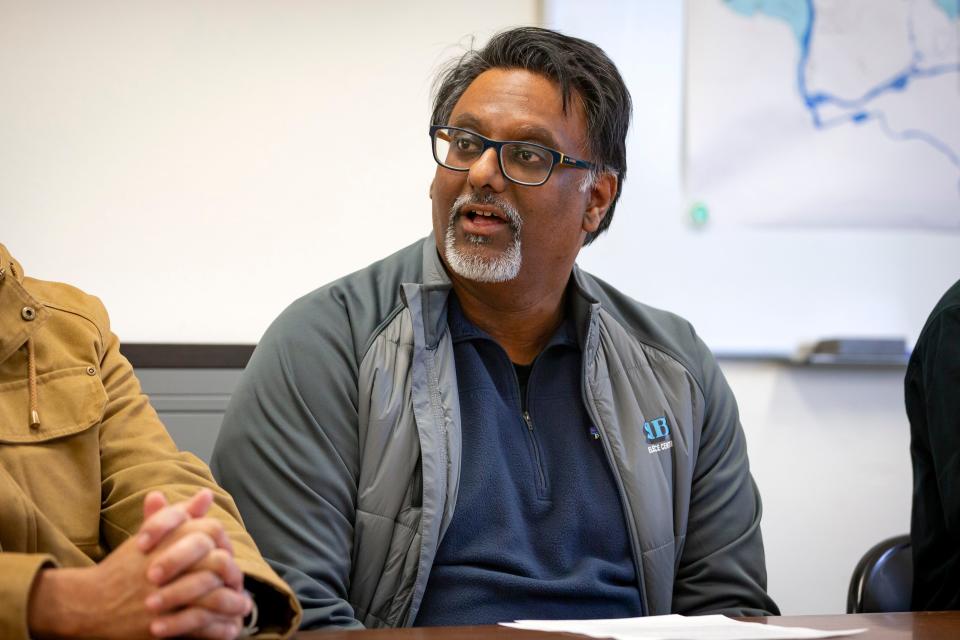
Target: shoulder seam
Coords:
[(77, 313), (661, 349), (378, 330)]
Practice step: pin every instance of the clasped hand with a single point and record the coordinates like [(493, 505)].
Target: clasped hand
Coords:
[(176, 577), (199, 586)]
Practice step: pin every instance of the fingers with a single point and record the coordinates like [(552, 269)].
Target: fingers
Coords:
[(199, 504), (222, 564), (217, 614), (158, 525), (196, 623), (179, 556), (164, 518), (227, 602), (216, 569), (214, 529), (201, 589), (209, 526), (184, 591), (154, 501), (218, 631)]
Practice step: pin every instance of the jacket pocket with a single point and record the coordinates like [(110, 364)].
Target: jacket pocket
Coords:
[(70, 401), (56, 467)]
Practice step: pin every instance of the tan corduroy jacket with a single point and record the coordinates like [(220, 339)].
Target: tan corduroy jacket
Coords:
[(80, 447)]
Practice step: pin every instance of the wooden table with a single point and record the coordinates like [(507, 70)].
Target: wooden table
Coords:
[(882, 626)]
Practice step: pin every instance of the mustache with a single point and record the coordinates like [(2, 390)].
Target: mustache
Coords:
[(513, 216)]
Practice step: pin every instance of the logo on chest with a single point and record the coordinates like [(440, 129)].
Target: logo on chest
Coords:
[(657, 433)]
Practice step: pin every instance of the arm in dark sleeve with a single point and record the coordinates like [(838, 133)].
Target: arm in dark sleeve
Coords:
[(722, 568), (287, 452), (941, 388)]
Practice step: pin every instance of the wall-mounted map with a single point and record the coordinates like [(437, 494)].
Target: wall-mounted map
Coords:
[(824, 112)]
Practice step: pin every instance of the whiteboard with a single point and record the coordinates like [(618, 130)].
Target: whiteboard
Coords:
[(747, 291)]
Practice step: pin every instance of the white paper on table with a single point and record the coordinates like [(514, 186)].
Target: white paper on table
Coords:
[(677, 627)]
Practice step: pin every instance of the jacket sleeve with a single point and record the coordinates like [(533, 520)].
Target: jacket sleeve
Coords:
[(941, 400), (138, 456), (18, 571), (288, 452), (722, 567)]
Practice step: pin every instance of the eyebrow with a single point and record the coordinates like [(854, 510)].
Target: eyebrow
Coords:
[(524, 133), (536, 133)]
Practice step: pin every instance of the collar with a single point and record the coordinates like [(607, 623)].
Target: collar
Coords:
[(462, 329), (431, 294), (8, 266), (15, 329)]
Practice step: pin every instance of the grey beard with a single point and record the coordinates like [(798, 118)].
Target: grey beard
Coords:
[(501, 268)]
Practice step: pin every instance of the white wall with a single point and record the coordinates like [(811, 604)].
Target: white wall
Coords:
[(198, 165), (829, 449)]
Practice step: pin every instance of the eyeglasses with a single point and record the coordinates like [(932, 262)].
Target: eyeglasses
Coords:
[(525, 163)]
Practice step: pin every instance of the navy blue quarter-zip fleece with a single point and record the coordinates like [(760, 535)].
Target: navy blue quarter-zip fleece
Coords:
[(538, 530)]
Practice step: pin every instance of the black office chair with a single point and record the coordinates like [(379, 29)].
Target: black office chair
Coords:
[(883, 579)]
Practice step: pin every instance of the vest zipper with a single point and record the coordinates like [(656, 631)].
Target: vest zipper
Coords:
[(628, 515)]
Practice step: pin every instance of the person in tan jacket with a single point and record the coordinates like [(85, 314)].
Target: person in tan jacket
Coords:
[(89, 545)]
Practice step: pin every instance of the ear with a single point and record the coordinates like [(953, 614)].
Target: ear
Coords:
[(598, 201), (430, 192)]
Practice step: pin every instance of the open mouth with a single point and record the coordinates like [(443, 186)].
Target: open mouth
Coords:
[(481, 216), (484, 215)]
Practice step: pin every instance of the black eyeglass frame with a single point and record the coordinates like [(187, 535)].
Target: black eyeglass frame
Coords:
[(561, 160)]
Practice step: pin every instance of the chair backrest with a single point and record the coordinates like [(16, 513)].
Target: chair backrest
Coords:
[(883, 579)]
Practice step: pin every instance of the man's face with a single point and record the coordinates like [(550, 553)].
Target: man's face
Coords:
[(489, 229)]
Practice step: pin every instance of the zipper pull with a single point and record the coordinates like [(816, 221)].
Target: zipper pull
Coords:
[(528, 420), (594, 432)]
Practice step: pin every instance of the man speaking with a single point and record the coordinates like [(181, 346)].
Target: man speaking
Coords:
[(473, 429)]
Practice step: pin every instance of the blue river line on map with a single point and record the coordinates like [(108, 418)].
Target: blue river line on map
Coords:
[(800, 15)]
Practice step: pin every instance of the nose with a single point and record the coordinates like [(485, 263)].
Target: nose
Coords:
[(485, 172)]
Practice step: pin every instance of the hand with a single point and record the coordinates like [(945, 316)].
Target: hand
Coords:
[(199, 604), (200, 586), (193, 577), (160, 518), (105, 601)]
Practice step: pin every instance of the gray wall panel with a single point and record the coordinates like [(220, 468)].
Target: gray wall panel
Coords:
[(191, 403)]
